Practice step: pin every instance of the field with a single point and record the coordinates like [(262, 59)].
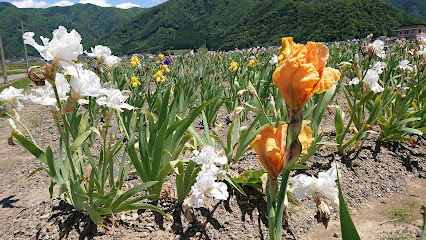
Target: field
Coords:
[(131, 159)]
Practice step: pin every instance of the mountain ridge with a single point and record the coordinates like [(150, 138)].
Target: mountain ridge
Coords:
[(223, 24), (91, 21)]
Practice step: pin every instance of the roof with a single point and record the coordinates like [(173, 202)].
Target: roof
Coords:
[(413, 25)]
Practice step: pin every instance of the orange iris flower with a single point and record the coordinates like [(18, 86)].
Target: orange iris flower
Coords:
[(270, 144), (301, 72)]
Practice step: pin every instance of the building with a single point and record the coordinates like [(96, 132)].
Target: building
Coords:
[(411, 31)]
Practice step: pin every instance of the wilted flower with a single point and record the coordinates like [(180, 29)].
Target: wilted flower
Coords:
[(114, 99), (236, 113), (270, 144), (325, 185), (64, 46), (14, 97), (301, 72)]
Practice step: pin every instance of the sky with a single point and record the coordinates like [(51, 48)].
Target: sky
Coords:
[(102, 3)]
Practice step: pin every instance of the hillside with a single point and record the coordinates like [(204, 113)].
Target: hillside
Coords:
[(221, 24), (415, 8), (91, 21)]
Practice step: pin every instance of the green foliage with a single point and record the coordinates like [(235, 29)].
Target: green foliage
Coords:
[(415, 8), (91, 21), (347, 226), (220, 24)]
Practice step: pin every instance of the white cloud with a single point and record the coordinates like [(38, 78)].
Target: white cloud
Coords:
[(31, 4), (100, 3), (127, 5), (63, 4)]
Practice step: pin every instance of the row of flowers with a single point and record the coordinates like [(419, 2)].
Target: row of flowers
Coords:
[(287, 92)]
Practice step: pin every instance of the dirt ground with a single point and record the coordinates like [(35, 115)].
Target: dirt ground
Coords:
[(378, 181)]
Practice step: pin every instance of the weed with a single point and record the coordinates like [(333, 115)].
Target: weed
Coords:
[(404, 213)]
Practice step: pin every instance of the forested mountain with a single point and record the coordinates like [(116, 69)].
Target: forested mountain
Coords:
[(91, 21), (415, 8), (221, 24), (215, 24)]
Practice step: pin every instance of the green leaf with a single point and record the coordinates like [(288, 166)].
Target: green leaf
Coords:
[(131, 192), (79, 141), (136, 206), (94, 215), (299, 166), (31, 147), (235, 185), (36, 170), (410, 131), (348, 229)]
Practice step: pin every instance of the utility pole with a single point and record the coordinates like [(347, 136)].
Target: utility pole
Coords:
[(3, 62), (25, 48)]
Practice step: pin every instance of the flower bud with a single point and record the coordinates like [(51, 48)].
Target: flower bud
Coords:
[(240, 96), (343, 66), (236, 113), (252, 108), (251, 90), (69, 105)]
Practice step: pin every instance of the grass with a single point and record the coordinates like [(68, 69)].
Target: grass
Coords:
[(404, 213), (16, 71), (20, 84), (20, 66)]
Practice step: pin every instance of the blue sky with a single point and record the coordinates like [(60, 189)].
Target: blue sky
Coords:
[(103, 3)]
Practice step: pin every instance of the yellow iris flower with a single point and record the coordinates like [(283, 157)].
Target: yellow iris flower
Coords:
[(134, 81), (301, 72), (234, 66), (251, 63), (134, 61), (270, 144), (159, 76), (161, 56), (165, 68)]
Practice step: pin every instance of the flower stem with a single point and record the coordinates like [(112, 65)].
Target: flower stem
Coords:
[(66, 133), (26, 129), (290, 157), (272, 189)]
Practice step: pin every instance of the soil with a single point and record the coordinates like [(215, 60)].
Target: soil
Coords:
[(377, 180)]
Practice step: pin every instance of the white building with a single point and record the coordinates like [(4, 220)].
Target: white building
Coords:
[(411, 31)]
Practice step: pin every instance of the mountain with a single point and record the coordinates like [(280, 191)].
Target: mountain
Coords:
[(91, 21), (221, 24), (415, 8)]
